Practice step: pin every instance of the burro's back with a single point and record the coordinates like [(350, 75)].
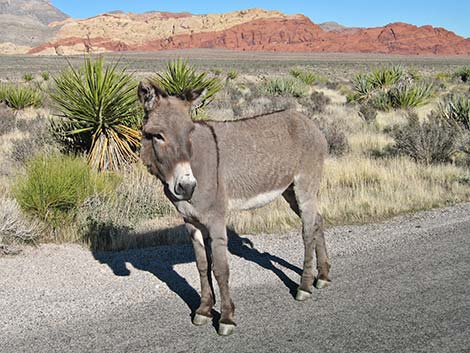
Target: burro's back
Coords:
[(267, 152), (208, 168)]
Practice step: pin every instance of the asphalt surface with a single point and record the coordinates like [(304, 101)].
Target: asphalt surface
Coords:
[(399, 286)]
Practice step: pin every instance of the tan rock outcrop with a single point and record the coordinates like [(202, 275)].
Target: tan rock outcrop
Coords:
[(253, 29)]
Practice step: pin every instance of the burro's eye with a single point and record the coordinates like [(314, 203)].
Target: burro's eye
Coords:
[(159, 138)]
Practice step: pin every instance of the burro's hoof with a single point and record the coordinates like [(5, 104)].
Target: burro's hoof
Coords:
[(321, 283), (226, 329), (200, 320), (302, 295)]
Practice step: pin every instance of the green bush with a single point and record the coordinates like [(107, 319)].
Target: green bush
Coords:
[(56, 185), (232, 74), (463, 74), (28, 77), (307, 77), (286, 86), (45, 75), (181, 78), (430, 141), (20, 97), (456, 110), (100, 113)]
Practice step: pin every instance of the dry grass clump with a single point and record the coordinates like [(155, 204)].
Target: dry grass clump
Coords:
[(14, 226), (359, 189)]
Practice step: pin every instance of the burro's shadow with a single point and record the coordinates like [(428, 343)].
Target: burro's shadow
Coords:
[(160, 261)]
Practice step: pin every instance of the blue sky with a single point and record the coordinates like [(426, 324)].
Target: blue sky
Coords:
[(450, 14)]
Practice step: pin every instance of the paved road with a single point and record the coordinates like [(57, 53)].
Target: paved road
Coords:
[(400, 286)]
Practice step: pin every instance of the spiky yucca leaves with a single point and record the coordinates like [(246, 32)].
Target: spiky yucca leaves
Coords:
[(456, 110), (19, 97), (411, 95), (180, 78), (363, 88), (100, 113), (386, 77)]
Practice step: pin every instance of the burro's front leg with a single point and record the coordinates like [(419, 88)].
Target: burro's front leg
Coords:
[(202, 315), (218, 235)]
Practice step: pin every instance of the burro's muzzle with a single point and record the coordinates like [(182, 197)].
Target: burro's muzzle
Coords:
[(183, 182)]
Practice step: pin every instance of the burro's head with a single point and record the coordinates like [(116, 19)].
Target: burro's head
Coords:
[(166, 138)]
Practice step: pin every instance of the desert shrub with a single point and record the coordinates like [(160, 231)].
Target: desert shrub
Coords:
[(249, 99), (430, 141), (315, 103), (100, 114), (463, 74), (367, 112), (20, 97), (54, 186), (28, 77), (285, 86), (7, 120), (456, 110), (180, 78), (105, 220), (335, 136), (14, 226), (38, 139), (45, 75), (232, 74), (137, 198), (307, 77)]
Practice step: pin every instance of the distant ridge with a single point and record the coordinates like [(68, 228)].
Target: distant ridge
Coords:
[(247, 30)]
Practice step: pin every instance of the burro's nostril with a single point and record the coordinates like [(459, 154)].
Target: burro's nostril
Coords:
[(185, 188), (179, 189)]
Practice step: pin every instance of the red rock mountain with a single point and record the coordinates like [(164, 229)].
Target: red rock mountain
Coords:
[(253, 29)]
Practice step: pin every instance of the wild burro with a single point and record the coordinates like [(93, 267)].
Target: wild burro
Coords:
[(208, 168)]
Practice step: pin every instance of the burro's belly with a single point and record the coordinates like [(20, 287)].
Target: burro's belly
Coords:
[(255, 201)]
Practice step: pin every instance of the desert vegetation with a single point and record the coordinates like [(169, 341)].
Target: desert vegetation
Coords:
[(399, 139)]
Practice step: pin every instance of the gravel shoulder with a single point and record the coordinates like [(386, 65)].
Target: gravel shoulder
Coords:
[(398, 286)]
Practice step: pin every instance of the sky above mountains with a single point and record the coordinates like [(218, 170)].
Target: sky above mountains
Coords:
[(450, 14)]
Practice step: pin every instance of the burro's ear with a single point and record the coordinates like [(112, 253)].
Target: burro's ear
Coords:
[(195, 97), (149, 95)]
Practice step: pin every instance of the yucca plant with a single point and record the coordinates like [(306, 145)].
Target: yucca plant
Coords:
[(45, 75), (100, 113), (180, 77), (232, 74), (410, 95), (286, 85), (20, 97), (307, 77), (463, 74), (386, 77), (362, 87), (456, 110), (28, 77)]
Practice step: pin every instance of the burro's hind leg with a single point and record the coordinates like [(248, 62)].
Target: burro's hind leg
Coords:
[(302, 197), (218, 235), (202, 315)]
